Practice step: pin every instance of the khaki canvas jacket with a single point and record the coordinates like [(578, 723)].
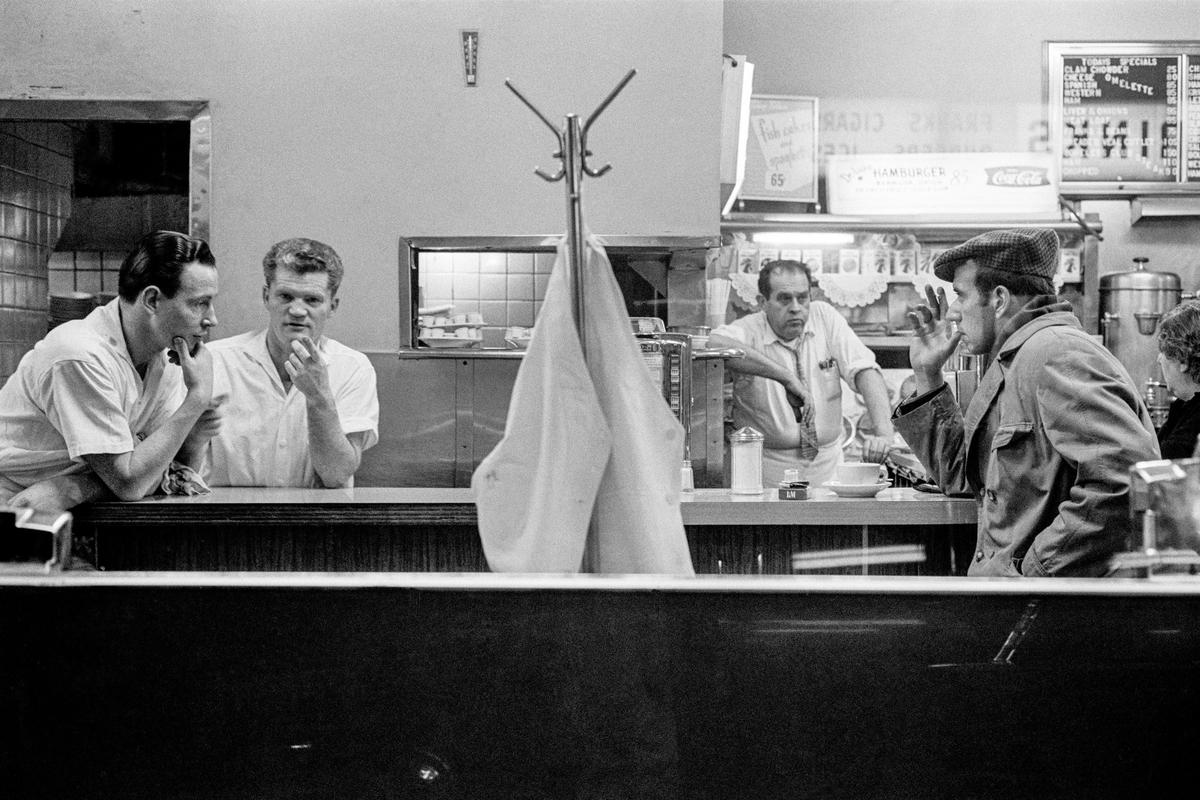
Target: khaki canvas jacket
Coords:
[(1045, 446)]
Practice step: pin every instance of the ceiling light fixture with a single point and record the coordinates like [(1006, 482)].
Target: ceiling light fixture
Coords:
[(801, 238)]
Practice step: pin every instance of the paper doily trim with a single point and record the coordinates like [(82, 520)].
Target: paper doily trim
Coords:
[(850, 289), (745, 290)]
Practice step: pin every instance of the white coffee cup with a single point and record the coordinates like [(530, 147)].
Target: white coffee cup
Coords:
[(860, 473)]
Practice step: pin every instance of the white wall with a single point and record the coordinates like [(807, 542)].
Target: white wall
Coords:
[(955, 76), (349, 121)]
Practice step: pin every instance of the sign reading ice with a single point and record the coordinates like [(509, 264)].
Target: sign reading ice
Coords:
[(781, 149), (1011, 186)]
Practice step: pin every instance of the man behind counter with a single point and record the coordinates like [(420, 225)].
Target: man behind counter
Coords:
[(299, 408), (95, 409), (789, 385), (1049, 437)]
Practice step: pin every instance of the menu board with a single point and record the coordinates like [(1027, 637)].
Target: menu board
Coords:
[(1125, 116), (1192, 153)]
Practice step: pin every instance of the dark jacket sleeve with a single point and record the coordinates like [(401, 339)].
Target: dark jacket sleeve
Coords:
[(932, 425)]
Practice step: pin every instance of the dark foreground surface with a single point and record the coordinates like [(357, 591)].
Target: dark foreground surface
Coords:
[(462, 687)]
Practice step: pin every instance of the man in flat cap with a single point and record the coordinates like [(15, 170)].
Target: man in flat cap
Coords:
[(1049, 437)]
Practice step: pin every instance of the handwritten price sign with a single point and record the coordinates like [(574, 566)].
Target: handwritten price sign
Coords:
[(781, 149)]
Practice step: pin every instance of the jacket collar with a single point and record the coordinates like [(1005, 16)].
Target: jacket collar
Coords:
[(1043, 311)]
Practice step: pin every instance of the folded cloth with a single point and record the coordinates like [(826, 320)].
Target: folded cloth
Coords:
[(583, 435), (182, 479)]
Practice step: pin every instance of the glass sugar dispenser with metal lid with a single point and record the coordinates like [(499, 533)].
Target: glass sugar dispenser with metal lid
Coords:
[(745, 461)]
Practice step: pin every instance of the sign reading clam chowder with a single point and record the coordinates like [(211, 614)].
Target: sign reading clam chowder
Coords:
[(1125, 116), (781, 149), (1008, 185)]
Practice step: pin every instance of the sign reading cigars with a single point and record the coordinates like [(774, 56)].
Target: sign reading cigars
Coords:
[(1016, 186), (1125, 116)]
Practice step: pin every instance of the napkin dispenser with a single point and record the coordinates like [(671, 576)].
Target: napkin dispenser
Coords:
[(1164, 516), (32, 537)]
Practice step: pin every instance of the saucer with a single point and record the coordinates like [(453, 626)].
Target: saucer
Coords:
[(856, 489)]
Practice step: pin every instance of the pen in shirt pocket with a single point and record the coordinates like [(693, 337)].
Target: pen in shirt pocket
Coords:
[(828, 363)]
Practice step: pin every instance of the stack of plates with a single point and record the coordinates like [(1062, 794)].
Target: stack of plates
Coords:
[(70, 305)]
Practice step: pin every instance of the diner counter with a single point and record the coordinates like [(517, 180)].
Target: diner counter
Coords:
[(450, 506), (901, 531)]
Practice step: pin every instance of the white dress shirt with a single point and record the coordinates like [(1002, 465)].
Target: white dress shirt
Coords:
[(77, 393), (829, 352), (264, 429)]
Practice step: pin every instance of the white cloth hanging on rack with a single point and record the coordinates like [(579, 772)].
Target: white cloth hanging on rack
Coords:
[(583, 434)]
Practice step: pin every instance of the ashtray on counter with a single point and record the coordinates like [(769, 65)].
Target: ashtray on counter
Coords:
[(793, 490)]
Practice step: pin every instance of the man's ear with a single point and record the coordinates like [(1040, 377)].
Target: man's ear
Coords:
[(333, 303), (150, 298), (1002, 301), (266, 293)]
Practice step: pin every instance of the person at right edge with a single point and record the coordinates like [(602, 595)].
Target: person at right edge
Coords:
[(1048, 439), (1179, 358)]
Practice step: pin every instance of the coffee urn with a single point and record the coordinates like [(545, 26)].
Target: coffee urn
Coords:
[(1131, 304)]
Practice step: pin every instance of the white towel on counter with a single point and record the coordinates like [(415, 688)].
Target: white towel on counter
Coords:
[(582, 435)]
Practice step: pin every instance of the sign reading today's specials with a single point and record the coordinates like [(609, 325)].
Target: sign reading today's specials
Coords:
[(781, 149), (1125, 116)]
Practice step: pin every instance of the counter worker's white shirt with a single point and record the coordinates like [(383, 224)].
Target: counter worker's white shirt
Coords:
[(264, 431), (762, 403), (77, 393)]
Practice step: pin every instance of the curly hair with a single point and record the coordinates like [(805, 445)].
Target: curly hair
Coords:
[(1179, 336)]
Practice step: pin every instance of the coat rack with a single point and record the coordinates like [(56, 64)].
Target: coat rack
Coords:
[(573, 154)]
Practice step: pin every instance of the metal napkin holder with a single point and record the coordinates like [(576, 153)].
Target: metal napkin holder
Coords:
[(28, 536), (1163, 536)]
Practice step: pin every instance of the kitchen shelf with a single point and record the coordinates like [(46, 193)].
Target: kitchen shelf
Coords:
[(954, 229)]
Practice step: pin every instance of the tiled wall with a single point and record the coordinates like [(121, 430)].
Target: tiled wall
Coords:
[(36, 175), (506, 288), (91, 271)]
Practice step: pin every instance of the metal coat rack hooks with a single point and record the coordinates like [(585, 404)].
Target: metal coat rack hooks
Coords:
[(573, 155)]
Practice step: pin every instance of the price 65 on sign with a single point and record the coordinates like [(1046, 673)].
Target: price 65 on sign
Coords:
[(781, 149)]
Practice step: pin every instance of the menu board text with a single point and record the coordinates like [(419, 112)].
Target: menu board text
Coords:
[(1120, 118)]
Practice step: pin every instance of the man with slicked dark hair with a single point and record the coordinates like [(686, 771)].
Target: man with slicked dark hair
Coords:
[(101, 406)]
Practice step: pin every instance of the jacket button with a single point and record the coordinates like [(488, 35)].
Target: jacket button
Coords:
[(979, 555)]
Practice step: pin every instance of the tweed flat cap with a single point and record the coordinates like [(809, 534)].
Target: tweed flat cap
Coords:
[(1021, 251)]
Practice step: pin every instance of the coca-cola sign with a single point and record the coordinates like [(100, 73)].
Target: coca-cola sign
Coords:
[(1014, 185), (1017, 176)]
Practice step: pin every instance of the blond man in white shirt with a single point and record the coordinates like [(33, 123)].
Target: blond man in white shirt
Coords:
[(298, 408)]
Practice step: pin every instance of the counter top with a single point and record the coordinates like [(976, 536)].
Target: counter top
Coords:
[(704, 507)]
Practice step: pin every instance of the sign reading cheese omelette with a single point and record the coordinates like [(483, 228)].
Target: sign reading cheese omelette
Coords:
[(1017, 186), (781, 149)]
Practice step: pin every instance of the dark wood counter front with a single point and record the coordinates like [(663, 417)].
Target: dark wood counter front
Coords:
[(427, 529)]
